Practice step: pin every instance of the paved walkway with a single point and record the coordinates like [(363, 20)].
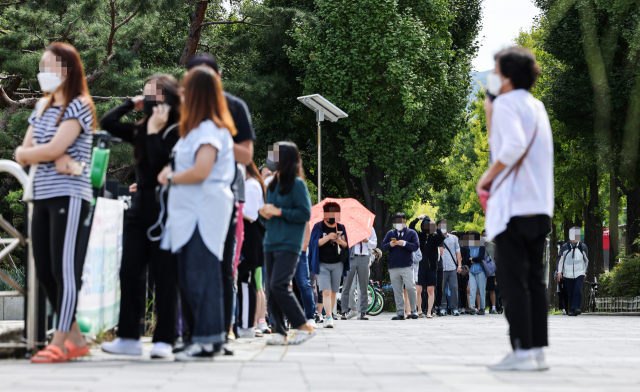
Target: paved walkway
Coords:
[(444, 354)]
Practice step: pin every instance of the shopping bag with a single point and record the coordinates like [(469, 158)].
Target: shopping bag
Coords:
[(99, 298)]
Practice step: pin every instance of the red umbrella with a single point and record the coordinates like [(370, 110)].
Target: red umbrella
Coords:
[(357, 220)]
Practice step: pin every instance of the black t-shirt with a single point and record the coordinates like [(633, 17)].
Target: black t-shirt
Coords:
[(329, 251), (242, 120)]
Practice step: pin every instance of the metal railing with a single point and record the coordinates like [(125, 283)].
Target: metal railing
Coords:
[(31, 291)]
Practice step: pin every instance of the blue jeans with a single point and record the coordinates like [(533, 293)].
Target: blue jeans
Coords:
[(477, 282), (200, 276), (302, 281)]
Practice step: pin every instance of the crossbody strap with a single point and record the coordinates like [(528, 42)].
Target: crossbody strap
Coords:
[(516, 167), (455, 262)]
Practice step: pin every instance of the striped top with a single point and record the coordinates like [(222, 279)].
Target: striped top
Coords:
[(48, 182)]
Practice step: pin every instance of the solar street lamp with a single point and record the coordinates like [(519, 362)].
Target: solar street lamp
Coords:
[(324, 109)]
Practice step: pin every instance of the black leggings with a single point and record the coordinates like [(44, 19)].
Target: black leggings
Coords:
[(55, 230), (246, 296), (138, 252)]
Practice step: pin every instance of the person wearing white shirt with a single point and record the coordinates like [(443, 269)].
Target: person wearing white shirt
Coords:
[(519, 210), (360, 260)]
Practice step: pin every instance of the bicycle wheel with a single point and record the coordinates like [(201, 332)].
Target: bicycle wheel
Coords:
[(378, 304), (371, 294)]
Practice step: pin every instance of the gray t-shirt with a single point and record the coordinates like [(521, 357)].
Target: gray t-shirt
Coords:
[(449, 264)]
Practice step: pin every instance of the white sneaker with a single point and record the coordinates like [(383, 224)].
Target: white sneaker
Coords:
[(195, 352), (352, 314), (277, 340), (161, 350), (312, 323), (246, 333), (328, 322), (542, 363), (264, 327), (564, 312), (300, 336), (231, 336), (123, 346), (512, 362)]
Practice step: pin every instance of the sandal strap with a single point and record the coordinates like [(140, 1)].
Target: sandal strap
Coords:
[(51, 351)]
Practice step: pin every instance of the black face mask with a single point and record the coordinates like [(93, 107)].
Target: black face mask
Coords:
[(147, 106), (331, 221)]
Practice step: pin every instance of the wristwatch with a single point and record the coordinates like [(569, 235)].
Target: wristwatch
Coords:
[(170, 179)]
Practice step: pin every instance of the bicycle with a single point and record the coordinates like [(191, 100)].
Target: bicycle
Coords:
[(375, 295), (593, 295)]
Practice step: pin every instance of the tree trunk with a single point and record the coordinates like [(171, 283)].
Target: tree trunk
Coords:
[(593, 231), (552, 295), (197, 17), (633, 219), (613, 220)]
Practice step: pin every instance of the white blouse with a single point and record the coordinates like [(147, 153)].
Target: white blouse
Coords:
[(515, 115), (253, 199)]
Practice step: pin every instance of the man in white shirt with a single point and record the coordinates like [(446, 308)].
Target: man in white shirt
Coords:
[(360, 259), (451, 267)]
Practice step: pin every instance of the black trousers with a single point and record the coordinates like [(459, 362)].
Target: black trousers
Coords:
[(55, 233), (438, 293), (563, 297), (246, 296), (281, 267), (138, 252), (521, 275)]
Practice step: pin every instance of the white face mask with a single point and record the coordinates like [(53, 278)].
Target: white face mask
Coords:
[(398, 226), (495, 84), (483, 239), (49, 81)]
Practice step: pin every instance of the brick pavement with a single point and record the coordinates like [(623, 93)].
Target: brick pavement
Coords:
[(443, 354)]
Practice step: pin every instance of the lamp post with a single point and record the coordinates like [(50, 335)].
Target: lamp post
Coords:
[(323, 109)]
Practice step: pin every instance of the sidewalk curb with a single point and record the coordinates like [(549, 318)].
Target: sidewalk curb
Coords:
[(631, 314)]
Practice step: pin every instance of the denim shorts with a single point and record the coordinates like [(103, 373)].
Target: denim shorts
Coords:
[(329, 276)]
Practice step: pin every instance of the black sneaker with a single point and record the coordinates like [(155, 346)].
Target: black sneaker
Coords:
[(414, 316), (578, 312), (480, 312), (195, 352), (180, 345), (398, 318), (363, 316), (493, 311)]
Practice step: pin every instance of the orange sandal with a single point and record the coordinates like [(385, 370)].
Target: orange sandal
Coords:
[(50, 354), (74, 351)]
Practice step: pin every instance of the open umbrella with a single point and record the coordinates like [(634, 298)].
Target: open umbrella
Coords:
[(357, 220)]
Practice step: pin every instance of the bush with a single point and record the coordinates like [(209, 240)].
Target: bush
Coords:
[(16, 275), (623, 281)]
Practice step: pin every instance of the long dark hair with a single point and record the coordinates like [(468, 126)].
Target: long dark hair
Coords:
[(252, 172), (289, 167), (204, 100), (75, 84)]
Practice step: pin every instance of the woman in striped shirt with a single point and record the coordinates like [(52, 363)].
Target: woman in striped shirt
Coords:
[(58, 146)]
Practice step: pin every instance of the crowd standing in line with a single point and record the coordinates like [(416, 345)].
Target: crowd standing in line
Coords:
[(226, 275)]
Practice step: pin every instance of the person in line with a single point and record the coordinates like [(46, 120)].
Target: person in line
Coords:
[(477, 277), (416, 257), (430, 238), (199, 186), (287, 211), (360, 260), (243, 153), (401, 242), (463, 276), (57, 146), (302, 279), (490, 248), (329, 257), (265, 172), (252, 252), (519, 209), (451, 266), (573, 267), (152, 138)]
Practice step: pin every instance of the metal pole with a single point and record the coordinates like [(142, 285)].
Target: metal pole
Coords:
[(319, 163)]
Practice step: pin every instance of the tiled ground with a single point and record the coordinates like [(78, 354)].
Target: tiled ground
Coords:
[(445, 354)]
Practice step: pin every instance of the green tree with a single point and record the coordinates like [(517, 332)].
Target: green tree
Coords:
[(401, 72)]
